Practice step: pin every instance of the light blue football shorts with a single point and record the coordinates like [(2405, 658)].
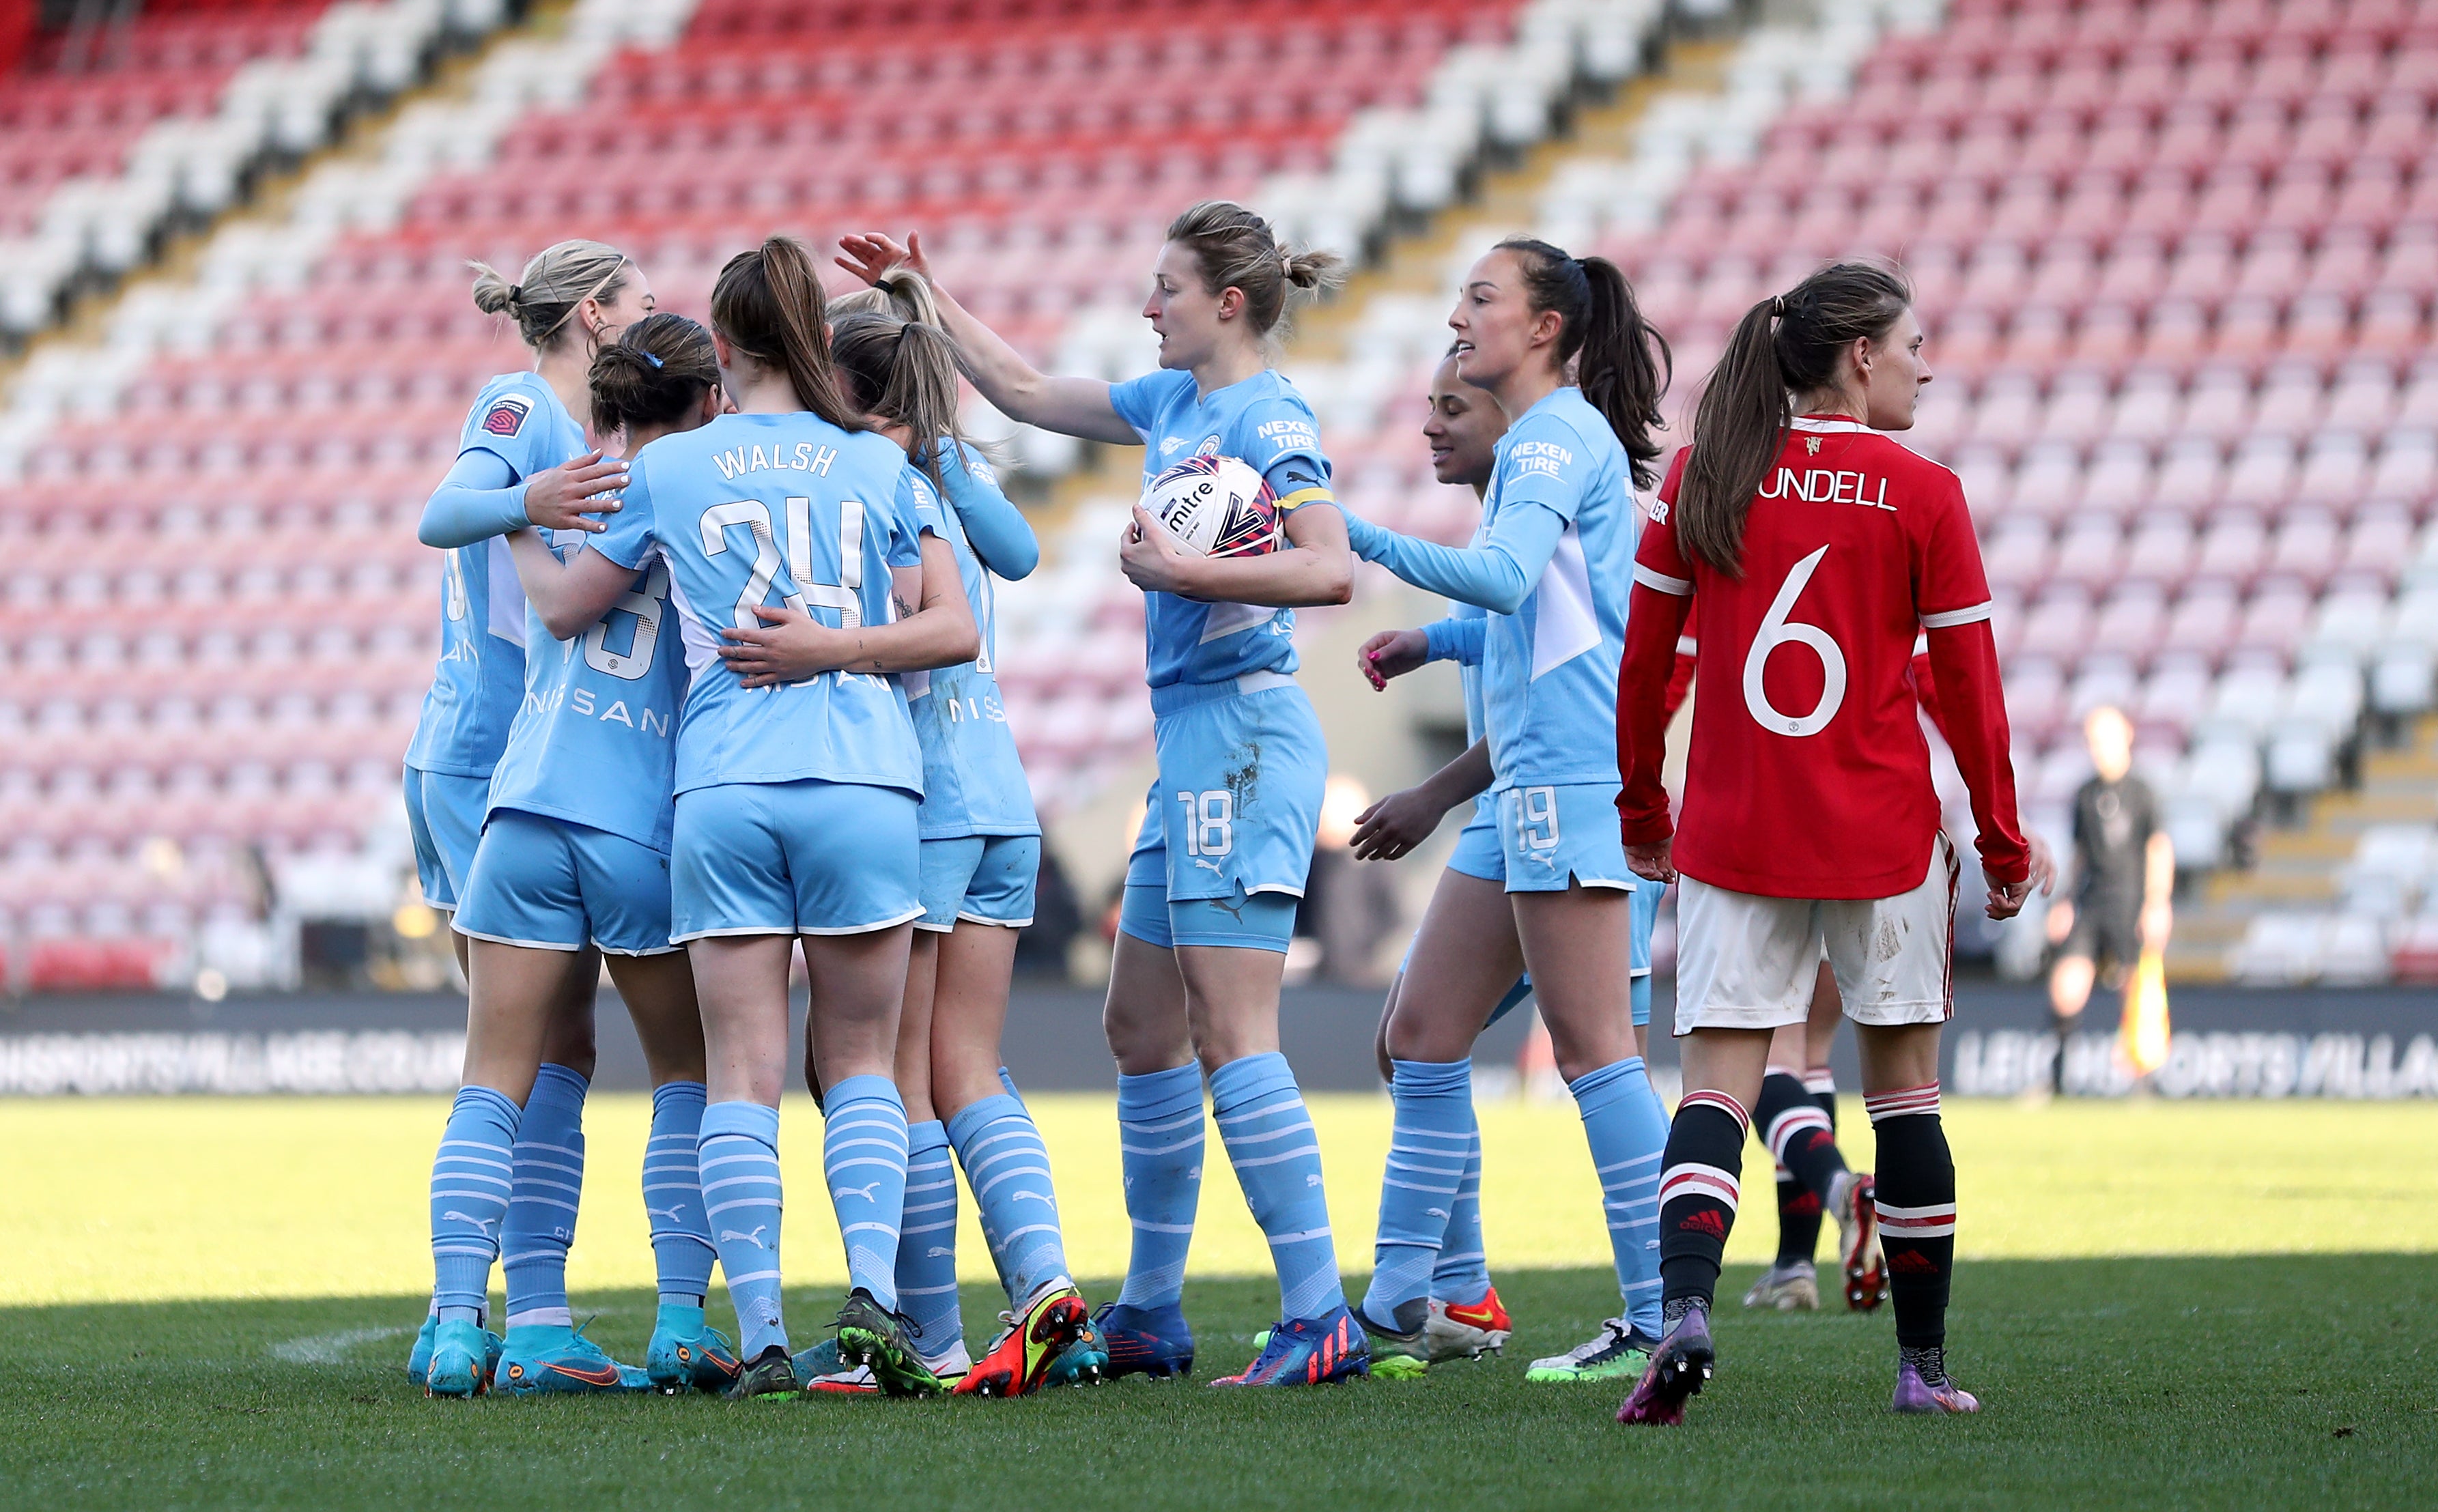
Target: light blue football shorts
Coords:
[(807, 857), (547, 885), (1255, 921), (444, 816), (1548, 836), (984, 879), (1646, 896), (1230, 821), (1478, 850)]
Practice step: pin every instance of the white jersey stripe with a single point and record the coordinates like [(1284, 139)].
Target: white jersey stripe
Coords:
[(1950, 618), (1661, 582)]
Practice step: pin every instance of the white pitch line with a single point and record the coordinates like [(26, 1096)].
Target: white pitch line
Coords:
[(329, 1348)]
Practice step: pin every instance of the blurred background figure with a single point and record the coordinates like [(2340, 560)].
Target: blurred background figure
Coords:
[(1348, 908), (2118, 903), (1042, 950)]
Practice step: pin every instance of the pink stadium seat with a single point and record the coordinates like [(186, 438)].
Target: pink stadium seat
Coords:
[(2161, 550), (2176, 260), (2204, 620), (2088, 553), (2131, 621)]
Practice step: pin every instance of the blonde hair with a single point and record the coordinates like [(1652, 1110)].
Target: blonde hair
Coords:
[(558, 280), (901, 292), (1239, 250)]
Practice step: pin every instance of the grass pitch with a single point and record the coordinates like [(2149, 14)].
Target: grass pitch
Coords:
[(2197, 1382), (208, 1304)]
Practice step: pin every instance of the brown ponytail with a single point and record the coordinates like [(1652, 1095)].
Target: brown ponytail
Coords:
[(1625, 365), (770, 305), (1783, 346), (904, 372), (655, 373)]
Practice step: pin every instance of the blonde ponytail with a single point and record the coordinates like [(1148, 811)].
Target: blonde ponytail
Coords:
[(554, 284)]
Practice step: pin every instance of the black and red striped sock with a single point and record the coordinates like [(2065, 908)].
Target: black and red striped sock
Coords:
[(1916, 1212), (1805, 1144), (1699, 1179)]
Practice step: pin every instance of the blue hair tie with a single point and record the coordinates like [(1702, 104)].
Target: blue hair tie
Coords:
[(654, 361)]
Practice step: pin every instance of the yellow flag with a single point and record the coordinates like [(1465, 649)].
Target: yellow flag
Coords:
[(2142, 1038)]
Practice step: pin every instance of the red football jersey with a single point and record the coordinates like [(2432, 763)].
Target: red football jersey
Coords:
[(1809, 777)]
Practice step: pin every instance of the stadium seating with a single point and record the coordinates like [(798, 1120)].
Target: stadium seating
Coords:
[(109, 133), (217, 624), (2177, 262)]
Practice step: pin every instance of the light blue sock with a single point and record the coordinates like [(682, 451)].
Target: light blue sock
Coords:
[(926, 1240), (1418, 1192), (673, 1195), (864, 1154), (741, 1196), (1007, 1084), (1638, 1000), (1277, 1154), (469, 1199), (1628, 1132), (541, 1211), (1159, 1150), (1008, 1168), (1463, 1274)]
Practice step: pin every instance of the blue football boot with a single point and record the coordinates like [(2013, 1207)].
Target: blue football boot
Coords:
[(552, 1356), (418, 1359), (1152, 1341), (687, 1353), (455, 1367), (1085, 1362), (1309, 1352)]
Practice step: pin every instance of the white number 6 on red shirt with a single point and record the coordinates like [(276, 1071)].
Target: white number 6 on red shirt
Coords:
[(1777, 630)]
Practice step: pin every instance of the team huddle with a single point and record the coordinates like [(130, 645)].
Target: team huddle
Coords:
[(727, 697)]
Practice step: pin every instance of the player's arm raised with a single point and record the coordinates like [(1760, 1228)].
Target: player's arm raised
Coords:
[(1072, 406)]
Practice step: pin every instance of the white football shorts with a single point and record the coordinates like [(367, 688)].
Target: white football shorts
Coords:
[(1745, 962)]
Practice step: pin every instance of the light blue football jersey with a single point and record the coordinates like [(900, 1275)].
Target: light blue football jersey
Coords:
[(595, 742), (781, 509), (480, 682), (1468, 637), (1465, 636), (1261, 421), (973, 781), (1549, 671)]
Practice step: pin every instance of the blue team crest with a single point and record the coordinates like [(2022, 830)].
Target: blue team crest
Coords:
[(1209, 447)]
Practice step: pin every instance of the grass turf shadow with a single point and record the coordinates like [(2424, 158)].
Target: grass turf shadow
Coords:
[(2183, 1383)]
